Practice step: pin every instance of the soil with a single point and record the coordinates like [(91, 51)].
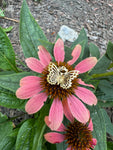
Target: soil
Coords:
[(96, 16)]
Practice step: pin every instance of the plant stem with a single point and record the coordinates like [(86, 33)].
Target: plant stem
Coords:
[(10, 19), (102, 75)]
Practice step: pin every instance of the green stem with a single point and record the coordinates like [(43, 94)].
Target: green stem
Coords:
[(102, 75)]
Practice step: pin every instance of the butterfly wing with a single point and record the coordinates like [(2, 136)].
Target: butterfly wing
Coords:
[(68, 79), (53, 74)]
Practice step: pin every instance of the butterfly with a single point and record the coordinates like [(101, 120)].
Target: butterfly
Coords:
[(61, 76)]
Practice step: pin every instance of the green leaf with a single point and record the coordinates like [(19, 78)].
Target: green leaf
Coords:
[(109, 125), (9, 100), (5, 126), (82, 36), (8, 143), (102, 65), (99, 128), (8, 29), (106, 87), (109, 145), (7, 55), (25, 136), (110, 66), (40, 128), (2, 13), (105, 103), (94, 50), (11, 81), (61, 146), (110, 50), (5, 130), (30, 32)]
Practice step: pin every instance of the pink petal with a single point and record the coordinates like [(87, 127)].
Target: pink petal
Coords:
[(34, 64), (86, 64), (29, 79), (35, 103), (28, 90), (86, 96), (83, 83), (75, 54), (48, 123), (69, 148), (93, 142), (54, 137), (44, 56), (56, 114), (90, 126), (59, 51), (78, 110), (67, 111)]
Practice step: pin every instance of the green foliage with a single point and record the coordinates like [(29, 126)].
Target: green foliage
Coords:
[(6, 127), (9, 100), (94, 50), (110, 50), (99, 67), (109, 145), (7, 55), (2, 13), (109, 125), (11, 81), (8, 29), (30, 133), (99, 127), (30, 32), (25, 136)]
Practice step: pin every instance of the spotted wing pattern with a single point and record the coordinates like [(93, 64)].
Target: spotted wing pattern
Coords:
[(53, 74), (68, 78)]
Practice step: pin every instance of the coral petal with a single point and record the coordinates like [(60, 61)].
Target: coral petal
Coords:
[(93, 143), (44, 56), (83, 83), (78, 110), (59, 52), (29, 79), (86, 96), (35, 103), (90, 126), (54, 137), (75, 54), (67, 111), (56, 114), (86, 64), (34, 64), (69, 148), (48, 123), (27, 91)]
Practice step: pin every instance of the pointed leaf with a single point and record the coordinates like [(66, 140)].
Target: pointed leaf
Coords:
[(30, 32), (11, 81), (25, 136), (9, 100), (99, 67), (99, 128), (110, 50), (6, 128), (82, 36), (94, 50), (109, 125), (7, 55)]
